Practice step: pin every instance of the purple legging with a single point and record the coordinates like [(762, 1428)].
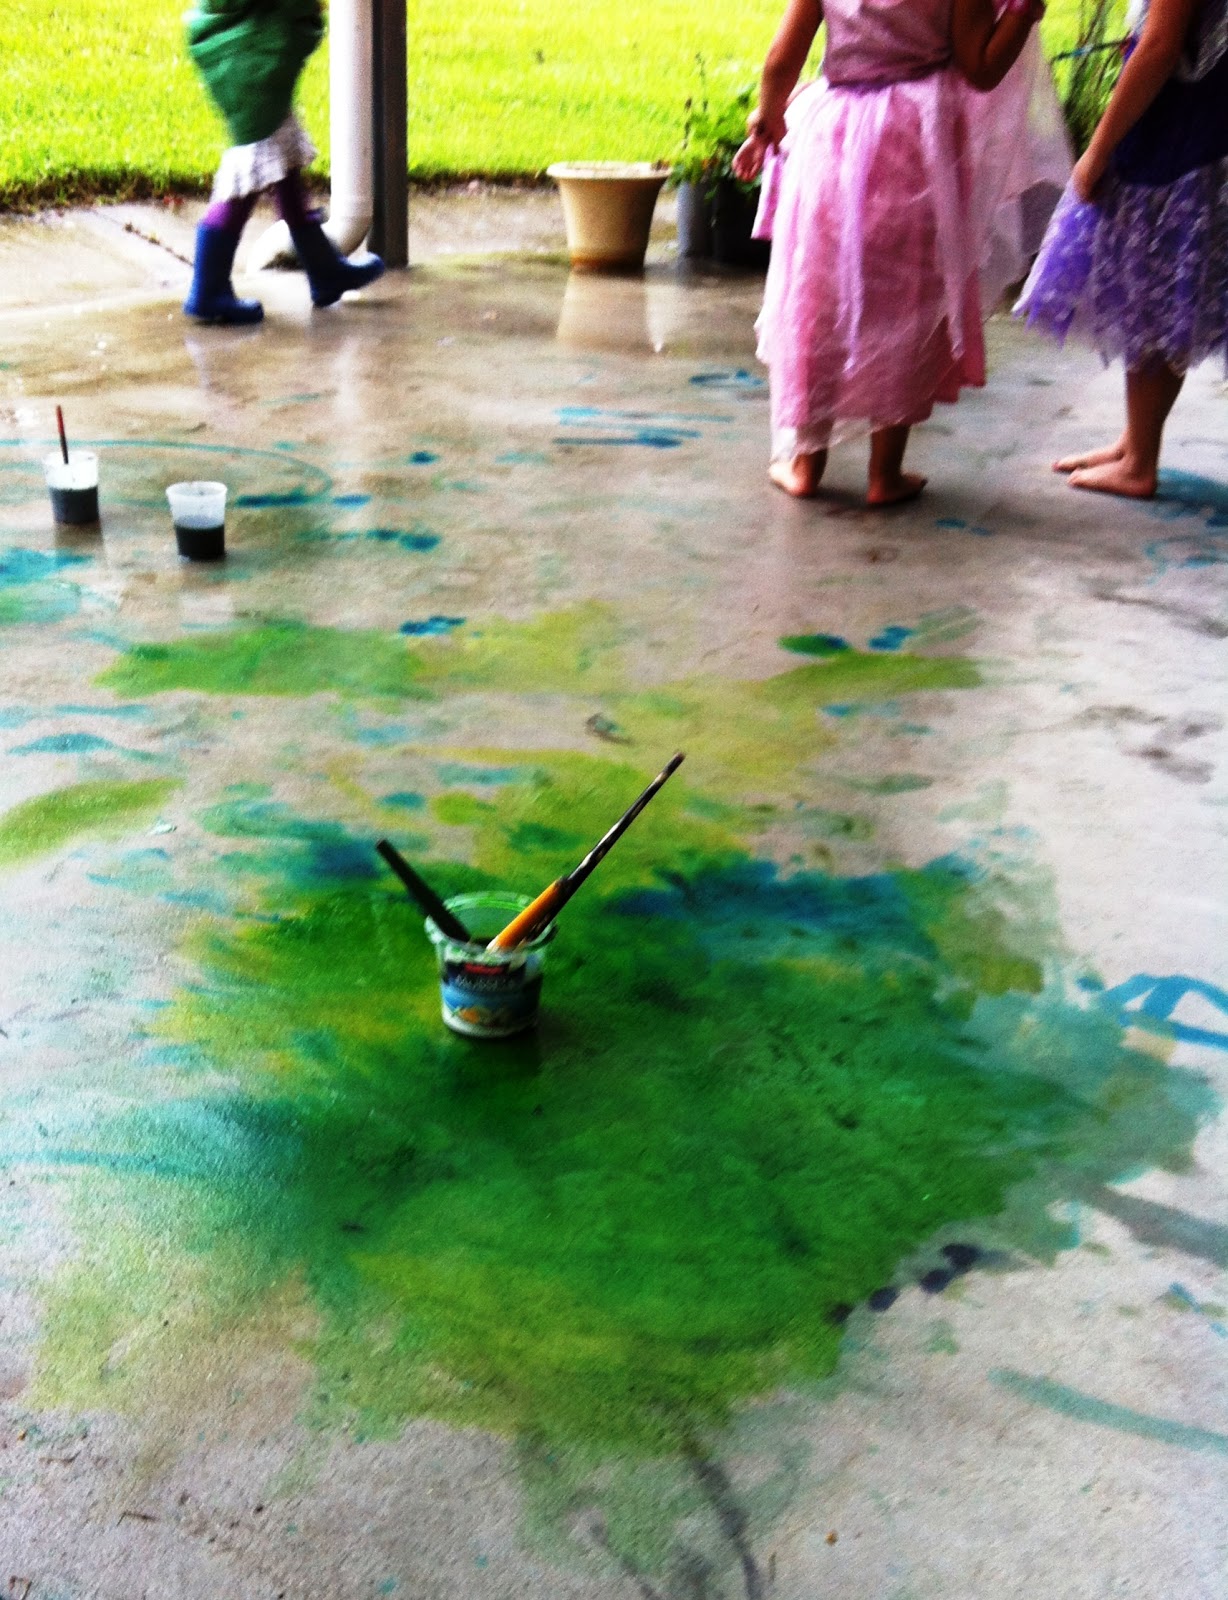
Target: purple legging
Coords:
[(231, 215)]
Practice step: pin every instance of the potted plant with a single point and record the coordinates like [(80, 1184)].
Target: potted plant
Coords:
[(716, 212), (607, 211)]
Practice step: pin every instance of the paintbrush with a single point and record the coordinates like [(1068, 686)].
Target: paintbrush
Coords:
[(551, 901), (59, 422), (448, 923)]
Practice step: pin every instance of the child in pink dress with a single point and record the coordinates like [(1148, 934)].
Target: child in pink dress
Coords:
[(898, 165)]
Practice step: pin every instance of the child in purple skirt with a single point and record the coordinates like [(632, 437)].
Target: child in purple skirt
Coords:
[(1136, 256)]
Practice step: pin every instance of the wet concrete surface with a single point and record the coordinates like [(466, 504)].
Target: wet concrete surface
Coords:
[(488, 441)]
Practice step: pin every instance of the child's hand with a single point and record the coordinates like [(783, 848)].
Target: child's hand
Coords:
[(748, 163), (762, 132), (1088, 175)]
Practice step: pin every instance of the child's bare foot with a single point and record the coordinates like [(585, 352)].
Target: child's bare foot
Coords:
[(800, 476), (1091, 458), (1116, 476), (894, 489)]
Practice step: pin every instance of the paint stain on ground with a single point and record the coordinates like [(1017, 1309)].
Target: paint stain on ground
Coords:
[(610, 1235), (430, 626), (39, 826), (278, 658), (1082, 1407), (76, 744), (817, 644), (32, 588), (416, 540), (753, 1095)]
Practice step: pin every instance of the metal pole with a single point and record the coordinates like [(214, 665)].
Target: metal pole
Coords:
[(390, 130)]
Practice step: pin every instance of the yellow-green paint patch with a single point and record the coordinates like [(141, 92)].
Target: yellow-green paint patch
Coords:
[(39, 826)]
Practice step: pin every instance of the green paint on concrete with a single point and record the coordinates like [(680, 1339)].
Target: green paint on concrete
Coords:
[(276, 658), (890, 783), (1081, 1407), (751, 1097), (43, 824)]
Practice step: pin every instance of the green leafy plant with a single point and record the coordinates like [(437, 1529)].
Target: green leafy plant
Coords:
[(1086, 74), (711, 135)]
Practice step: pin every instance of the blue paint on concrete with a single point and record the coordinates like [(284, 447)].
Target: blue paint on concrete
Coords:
[(431, 625), (891, 638)]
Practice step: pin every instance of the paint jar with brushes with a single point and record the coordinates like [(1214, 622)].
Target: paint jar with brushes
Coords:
[(483, 995), (486, 993), (72, 482)]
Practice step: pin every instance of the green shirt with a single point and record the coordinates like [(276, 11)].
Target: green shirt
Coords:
[(250, 54)]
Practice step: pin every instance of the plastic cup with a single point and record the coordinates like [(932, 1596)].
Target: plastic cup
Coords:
[(198, 511), (73, 487), (489, 994)]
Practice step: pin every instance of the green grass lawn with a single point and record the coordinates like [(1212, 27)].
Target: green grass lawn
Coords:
[(99, 95)]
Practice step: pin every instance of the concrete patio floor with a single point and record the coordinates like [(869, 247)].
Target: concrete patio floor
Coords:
[(856, 1225)]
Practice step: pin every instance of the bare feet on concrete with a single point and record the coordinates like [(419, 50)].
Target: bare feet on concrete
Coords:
[(799, 476), (1116, 477), (895, 489), (1091, 458)]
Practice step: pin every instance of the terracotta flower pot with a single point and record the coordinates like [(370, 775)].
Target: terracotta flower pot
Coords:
[(607, 210)]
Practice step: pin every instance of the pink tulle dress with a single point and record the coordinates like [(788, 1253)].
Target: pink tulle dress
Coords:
[(896, 212)]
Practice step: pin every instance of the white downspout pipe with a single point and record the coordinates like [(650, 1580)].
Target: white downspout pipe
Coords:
[(352, 160)]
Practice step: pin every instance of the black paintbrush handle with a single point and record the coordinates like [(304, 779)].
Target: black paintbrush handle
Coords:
[(603, 846), (446, 921)]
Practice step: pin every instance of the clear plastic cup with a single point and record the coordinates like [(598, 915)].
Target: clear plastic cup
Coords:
[(489, 994), (73, 487), (198, 511)]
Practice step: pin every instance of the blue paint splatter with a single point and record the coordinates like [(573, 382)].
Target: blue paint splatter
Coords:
[(13, 717), (891, 638), (72, 744), (1190, 550), (1081, 1407), (272, 502), (19, 567), (352, 501), (1188, 494), (648, 438), (1158, 998), (420, 458), (404, 800), (432, 625), (415, 539), (103, 711), (522, 458), (1181, 1293), (982, 533), (739, 379), (950, 522)]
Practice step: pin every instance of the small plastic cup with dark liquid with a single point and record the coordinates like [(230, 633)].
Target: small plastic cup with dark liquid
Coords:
[(73, 487), (198, 511)]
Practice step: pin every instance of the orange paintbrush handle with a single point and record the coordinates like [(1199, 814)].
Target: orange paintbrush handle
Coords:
[(533, 918)]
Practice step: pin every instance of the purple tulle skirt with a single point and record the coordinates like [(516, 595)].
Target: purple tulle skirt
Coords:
[(1140, 273)]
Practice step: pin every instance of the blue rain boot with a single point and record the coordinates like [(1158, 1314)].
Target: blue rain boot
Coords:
[(211, 297), (328, 272)]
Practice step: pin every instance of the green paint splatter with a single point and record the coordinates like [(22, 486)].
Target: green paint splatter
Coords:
[(815, 644), (276, 658), (752, 1096), (1082, 1407), (890, 783), (49, 820)]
